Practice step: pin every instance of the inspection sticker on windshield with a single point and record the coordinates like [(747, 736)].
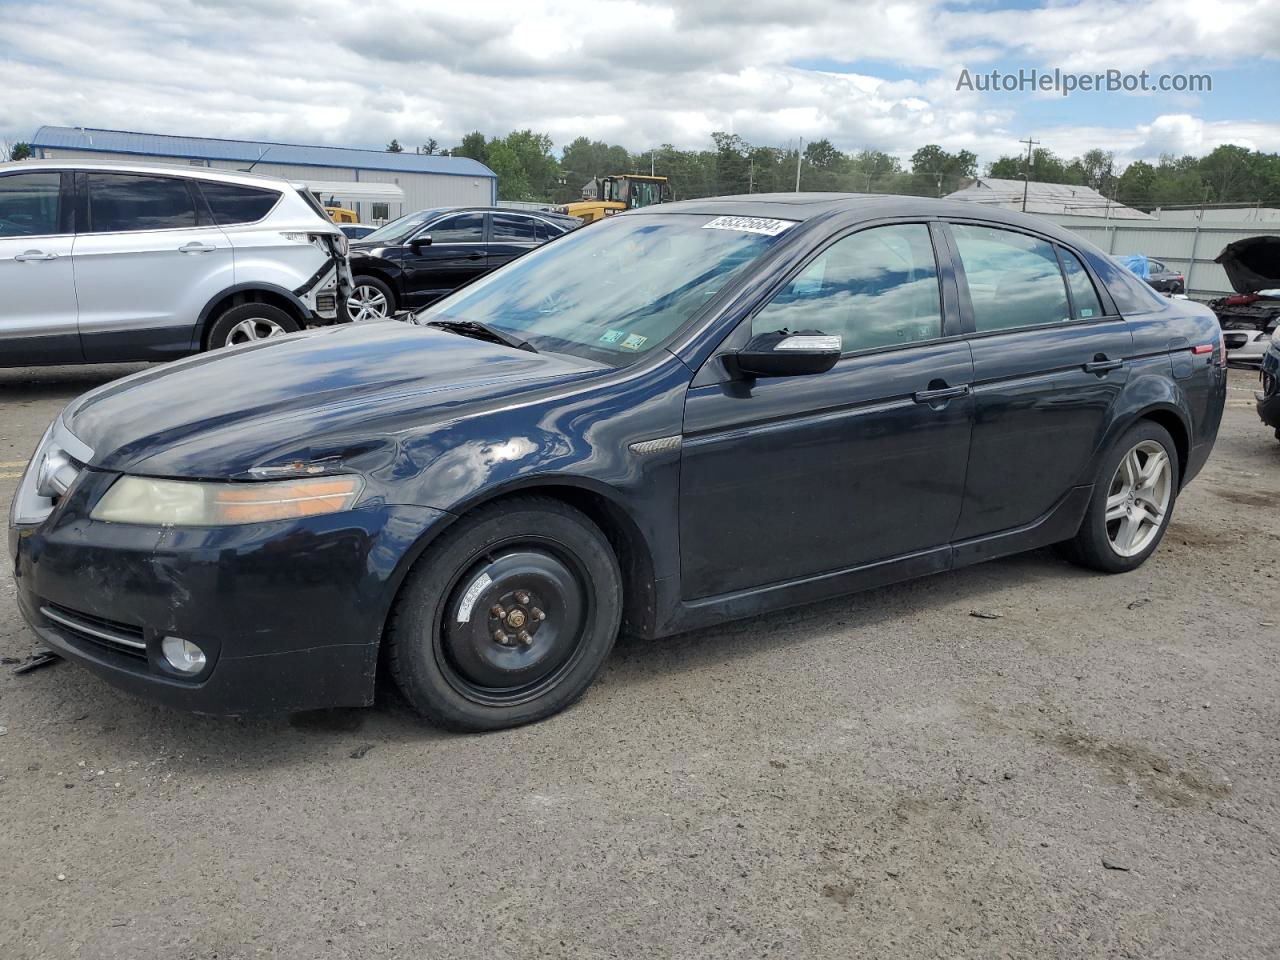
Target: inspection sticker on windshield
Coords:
[(762, 225), (612, 336), (634, 342)]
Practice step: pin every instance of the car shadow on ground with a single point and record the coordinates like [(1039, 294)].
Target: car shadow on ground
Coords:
[(232, 746), (19, 383)]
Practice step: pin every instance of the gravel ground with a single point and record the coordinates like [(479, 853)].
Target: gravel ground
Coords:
[(1092, 771)]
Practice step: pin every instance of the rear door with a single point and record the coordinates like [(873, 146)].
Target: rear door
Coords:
[(455, 255), (788, 477), (1049, 362), (510, 235), (145, 265), (38, 311)]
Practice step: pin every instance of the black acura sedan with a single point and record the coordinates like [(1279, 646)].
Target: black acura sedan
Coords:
[(680, 416), (411, 262)]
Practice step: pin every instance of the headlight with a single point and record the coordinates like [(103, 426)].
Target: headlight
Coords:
[(57, 462), (184, 503)]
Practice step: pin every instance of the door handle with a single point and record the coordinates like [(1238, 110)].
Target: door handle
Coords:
[(35, 255), (195, 246), (475, 256), (940, 394), (1101, 365)]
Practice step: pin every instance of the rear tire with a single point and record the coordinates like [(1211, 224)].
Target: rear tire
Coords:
[(249, 323), (1133, 499), (507, 618), (370, 299)]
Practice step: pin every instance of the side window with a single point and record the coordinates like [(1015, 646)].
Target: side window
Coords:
[(122, 201), (1014, 279), (875, 288), (1083, 297), (29, 204), (510, 228), (465, 228), (545, 231), (232, 203)]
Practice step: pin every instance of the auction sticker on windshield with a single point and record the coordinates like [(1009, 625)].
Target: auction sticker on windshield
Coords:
[(763, 225)]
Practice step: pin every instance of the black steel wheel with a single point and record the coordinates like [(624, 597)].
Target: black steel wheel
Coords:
[(507, 618)]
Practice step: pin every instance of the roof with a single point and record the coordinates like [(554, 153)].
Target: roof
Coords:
[(1046, 198), (251, 151), (356, 190), (157, 166), (854, 206)]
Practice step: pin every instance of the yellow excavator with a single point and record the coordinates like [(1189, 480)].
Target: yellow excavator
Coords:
[(604, 196)]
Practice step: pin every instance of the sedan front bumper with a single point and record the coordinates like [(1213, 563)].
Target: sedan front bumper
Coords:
[(289, 614)]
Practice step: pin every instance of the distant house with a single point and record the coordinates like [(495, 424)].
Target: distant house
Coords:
[(376, 184), (1046, 199)]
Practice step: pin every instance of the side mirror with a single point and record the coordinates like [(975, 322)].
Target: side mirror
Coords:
[(784, 354), (420, 241)]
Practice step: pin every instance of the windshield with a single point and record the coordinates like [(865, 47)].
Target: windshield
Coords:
[(399, 230), (616, 289)]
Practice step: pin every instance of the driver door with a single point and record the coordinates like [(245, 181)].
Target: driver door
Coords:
[(789, 477), (456, 255)]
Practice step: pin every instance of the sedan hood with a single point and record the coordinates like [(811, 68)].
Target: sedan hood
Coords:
[(306, 397)]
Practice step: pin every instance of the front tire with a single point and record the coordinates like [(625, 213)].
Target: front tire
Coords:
[(508, 618), (1133, 498), (370, 299), (249, 323)]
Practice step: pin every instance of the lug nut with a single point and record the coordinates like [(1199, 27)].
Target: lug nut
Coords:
[(500, 636), (537, 614), (497, 611), (522, 597), (524, 638)]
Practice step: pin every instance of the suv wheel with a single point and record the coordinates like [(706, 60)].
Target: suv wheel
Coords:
[(370, 299), (507, 618), (249, 323), (1132, 503)]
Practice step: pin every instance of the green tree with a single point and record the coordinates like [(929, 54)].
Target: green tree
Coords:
[(474, 146), (394, 147), (935, 172), (20, 151), (431, 146)]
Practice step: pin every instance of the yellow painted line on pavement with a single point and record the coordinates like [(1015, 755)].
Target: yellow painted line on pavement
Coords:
[(12, 463), (10, 476)]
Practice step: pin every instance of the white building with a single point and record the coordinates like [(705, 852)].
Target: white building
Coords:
[(375, 184), (1046, 199)]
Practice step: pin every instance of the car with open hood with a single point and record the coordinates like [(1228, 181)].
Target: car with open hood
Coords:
[(1250, 316), (683, 415)]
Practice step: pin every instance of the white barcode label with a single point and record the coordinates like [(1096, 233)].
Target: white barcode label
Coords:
[(762, 225)]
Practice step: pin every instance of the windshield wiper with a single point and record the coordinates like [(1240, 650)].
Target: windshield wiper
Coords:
[(482, 331)]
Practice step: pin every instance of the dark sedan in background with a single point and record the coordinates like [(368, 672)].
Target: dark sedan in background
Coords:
[(768, 400), (1157, 273), (417, 259)]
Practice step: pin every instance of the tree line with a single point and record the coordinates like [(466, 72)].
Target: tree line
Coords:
[(529, 169)]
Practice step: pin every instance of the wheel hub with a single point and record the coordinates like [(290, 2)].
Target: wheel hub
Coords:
[(513, 620)]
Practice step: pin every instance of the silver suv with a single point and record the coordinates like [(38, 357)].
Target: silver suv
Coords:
[(107, 260)]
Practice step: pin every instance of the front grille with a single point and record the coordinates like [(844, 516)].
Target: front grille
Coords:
[(105, 634)]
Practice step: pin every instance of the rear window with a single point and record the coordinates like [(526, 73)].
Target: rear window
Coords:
[(1131, 294), (29, 204), (232, 203)]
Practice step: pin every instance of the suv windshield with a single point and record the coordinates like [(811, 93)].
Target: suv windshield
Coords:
[(616, 289), (397, 231)]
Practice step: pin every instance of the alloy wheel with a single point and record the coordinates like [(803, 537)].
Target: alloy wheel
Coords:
[(1138, 499), (254, 329), (367, 303)]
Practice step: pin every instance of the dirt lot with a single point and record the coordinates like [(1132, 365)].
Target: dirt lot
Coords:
[(1092, 771)]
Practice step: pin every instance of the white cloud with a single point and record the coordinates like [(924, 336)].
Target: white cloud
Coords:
[(638, 72)]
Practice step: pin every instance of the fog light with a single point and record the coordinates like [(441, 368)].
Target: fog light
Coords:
[(183, 655)]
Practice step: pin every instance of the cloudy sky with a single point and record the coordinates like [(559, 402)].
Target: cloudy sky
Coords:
[(641, 72)]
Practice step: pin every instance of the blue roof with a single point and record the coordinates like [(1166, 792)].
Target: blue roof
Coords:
[(206, 148)]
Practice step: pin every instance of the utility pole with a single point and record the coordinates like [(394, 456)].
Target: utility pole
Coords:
[(651, 166), (751, 176), (1026, 176), (799, 154)]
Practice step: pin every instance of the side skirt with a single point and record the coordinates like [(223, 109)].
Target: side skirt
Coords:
[(1060, 523)]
